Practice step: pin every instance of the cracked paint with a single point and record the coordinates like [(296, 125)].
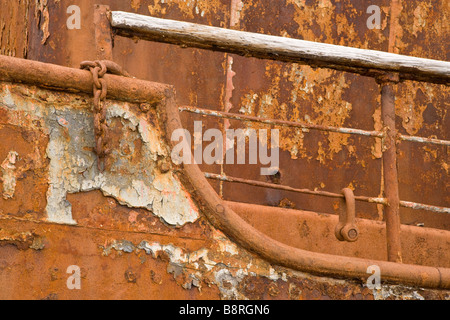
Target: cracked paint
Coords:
[(331, 108), (242, 276), (212, 262), (8, 178), (73, 168)]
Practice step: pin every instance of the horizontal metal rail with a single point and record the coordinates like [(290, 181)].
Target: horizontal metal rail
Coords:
[(361, 61), (287, 188), (383, 201), (309, 126)]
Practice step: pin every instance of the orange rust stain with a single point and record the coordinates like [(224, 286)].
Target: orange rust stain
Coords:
[(14, 28), (330, 108), (29, 198), (42, 17), (395, 30), (341, 31), (136, 4), (411, 102), (377, 152)]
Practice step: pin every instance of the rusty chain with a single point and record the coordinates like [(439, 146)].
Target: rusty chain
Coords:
[(98, 69)]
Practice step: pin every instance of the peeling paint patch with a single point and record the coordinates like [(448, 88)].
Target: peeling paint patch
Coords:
[(229, 85), (8, 175), (394, 292), (377, 151), (132, 178), (191, 8), (330, 109), (236, 8), (42, 18), (21, 240)]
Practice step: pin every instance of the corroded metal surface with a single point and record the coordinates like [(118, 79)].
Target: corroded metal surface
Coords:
[(225, 218), (199, 258), (120, 265), (235, 84), (222, 217), (132, 164), (14, 28)]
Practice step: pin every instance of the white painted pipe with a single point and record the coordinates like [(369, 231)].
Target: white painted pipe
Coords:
[(361, 61)]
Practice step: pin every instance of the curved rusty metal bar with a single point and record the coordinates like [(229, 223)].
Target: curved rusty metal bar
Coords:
[(215, 209), (225, 219)]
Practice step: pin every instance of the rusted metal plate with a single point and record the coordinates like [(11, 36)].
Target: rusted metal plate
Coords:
[(322, 161), (113, 267)]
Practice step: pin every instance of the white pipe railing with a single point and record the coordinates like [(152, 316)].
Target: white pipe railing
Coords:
[(361, 61)]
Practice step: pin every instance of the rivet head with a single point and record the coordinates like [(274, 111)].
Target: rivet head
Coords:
[(130, 276), (220, 208)]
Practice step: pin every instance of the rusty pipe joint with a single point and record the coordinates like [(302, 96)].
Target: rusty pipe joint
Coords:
[(346, 229)]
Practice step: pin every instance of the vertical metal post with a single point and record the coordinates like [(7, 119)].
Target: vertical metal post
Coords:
[(392, 215), (103, 32)]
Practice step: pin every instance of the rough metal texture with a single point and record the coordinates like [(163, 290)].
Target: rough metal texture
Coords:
[(330, 161), (129, 248), (132, 174)]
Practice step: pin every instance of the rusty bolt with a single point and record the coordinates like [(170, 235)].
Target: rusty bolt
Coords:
[(51, 296), (294, 292), (349, 233), (164, 167), (130, 276), (227, 284), (54, 274)]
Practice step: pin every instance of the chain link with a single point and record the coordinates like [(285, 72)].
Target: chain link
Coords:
[(102, 138)]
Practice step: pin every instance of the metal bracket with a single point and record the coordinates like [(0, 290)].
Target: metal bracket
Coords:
[(346, 229)]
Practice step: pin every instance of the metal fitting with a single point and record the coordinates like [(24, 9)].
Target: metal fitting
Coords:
[(346, 229)]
